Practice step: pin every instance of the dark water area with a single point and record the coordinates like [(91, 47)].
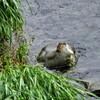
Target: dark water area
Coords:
[(73, 21)]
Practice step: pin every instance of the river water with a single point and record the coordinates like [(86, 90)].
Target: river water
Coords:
[(73, 21)]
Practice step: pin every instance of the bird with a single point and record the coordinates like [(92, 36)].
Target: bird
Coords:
[(62, 55)]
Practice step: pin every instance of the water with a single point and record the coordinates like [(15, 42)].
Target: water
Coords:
[(73, 21)]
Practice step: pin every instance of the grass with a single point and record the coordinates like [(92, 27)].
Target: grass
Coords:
[(16, 56), (34, 83), (11, 20)]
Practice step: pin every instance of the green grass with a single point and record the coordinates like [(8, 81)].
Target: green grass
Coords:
[(11, 20), (34, 83), (16, 56)]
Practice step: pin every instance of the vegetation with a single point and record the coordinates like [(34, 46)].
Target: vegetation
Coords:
[(34, 83), (16, 56), (10, 19), (11, 22), (19, 81)]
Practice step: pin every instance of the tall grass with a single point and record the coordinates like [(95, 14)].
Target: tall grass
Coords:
[(10, 19), (34, 83), (16, 56)]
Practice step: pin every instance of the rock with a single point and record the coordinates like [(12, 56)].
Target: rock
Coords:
[(58, 56)]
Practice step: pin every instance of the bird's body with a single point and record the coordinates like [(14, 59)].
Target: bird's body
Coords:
[(57, 56)]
